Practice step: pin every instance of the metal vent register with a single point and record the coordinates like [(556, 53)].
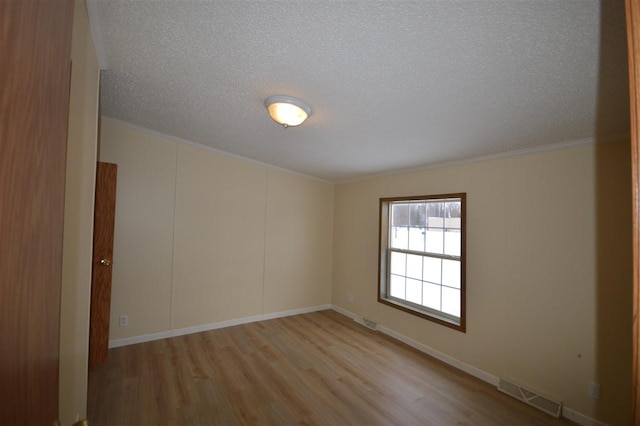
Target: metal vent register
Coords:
[(532, 398)]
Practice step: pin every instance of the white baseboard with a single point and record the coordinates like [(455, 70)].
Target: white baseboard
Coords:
[(212, 326), (580, 418), (493, 380), (346, 313), (476, 372), (469, 369)]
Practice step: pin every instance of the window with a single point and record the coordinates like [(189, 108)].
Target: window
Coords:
[(422, 256)]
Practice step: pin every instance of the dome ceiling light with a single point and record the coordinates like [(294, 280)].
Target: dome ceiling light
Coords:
[(287, 110)]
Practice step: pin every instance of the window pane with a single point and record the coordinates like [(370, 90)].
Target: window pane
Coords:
[(452, 242), (451, 301), (414, 266), (431, 295), (416, 239), (452, 214), (452, 222), (398, 263), (399, 237), (400, 215), (418, 215), (451, 273), (397, 286), (434, 239), (414, 291), (435, 215), (431, 269)]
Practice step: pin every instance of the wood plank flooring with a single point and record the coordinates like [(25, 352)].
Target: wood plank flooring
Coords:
[(313, 369)]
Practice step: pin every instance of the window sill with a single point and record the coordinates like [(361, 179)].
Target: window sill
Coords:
[(434, 317)]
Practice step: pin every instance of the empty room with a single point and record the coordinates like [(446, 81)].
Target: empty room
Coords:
[(323, 212)]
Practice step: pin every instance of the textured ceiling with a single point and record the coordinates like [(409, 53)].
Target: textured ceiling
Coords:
[(393, 84)]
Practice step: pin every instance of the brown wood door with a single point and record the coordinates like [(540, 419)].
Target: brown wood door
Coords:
[(633, 40), (35, 70), (104, 219)]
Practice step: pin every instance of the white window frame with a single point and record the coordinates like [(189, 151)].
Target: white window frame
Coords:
[(385, 250)]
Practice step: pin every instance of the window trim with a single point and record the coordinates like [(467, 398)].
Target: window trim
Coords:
[(383, 256)]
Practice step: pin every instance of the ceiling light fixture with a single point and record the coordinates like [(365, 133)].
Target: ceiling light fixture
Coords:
[(287, 110)]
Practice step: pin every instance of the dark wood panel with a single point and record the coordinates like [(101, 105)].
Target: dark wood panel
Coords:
[(35, 55), (633, 37), (319, 368), (104, 220)]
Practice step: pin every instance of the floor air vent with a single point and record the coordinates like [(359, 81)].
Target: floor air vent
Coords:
[(535, 400), (367, 323)]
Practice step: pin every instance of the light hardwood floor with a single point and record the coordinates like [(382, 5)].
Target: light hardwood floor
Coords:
[(313, 369)]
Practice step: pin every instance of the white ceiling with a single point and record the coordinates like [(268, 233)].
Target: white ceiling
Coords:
[(393, 85)]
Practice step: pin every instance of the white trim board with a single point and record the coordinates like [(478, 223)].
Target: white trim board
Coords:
[(496, 156), (469, 369), (207, 147), (580, 418), (95, 24), (493, 380), (436, 165), (212, 326)]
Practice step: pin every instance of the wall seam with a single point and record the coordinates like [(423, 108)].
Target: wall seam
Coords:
[(173, 237), (507, 360), (264, 240)]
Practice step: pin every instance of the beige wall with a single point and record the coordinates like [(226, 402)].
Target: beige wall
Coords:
[(548, 269), (299, 225), (143, 238), (202, 237), (78, 221)]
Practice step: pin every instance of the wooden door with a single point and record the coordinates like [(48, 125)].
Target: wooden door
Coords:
[(633, 40), (35, 71), (103, 223)]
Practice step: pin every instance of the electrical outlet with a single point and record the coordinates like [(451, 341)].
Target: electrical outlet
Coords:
[(124, 320), (594, 389), (350, 298)]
